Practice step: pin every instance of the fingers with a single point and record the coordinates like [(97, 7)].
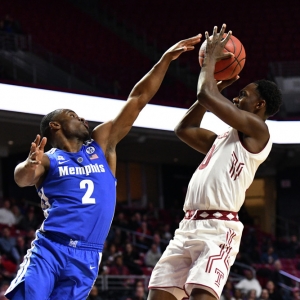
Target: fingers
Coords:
[(227, 55), (222, 31), (225, 40), (43, 143), (207, 36), (192, 41), (215, 32)]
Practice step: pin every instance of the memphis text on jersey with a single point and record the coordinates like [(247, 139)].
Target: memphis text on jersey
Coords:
[(87, 170)]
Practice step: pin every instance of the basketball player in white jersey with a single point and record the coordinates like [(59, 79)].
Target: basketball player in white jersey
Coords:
[(197, 261)]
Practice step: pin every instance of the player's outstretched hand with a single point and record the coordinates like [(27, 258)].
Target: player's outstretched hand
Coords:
[(216, 43), (36, 152), (225, 83), (183, 46)]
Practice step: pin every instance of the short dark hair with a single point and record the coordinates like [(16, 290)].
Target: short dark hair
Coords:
[(44, 125), (270, 92)]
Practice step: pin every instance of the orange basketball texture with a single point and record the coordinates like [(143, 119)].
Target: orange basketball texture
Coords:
[(227, 68)]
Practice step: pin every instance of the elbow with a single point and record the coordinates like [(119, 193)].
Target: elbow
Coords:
[(178, 130)]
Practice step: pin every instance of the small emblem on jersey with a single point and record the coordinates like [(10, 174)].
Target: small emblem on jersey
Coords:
[(90, 150), (62, 162), (80, 159), (92, 267), (220, 276), (59, 157), (73, 243), (94, 156)]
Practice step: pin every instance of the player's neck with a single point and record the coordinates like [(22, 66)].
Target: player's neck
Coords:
[(69, 145)]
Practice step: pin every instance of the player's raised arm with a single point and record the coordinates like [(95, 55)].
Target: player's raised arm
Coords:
[(110, 133), (30, 171), (189, 128), (249, 112)]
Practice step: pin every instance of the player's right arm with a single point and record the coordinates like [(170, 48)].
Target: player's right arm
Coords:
[(189, 128), (32, 170)]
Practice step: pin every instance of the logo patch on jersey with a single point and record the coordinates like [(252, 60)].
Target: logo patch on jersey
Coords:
[(59, 157), (94, 156), (62, 162), (80, 159), (90, 150), (73, 243)]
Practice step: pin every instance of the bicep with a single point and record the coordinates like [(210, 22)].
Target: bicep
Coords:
[(248, 123), (111, 132), (198, 138)]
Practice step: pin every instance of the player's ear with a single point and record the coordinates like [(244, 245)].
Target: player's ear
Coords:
[(261, 103), (54, 125)]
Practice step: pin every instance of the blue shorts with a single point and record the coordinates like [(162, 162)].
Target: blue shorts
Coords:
[(56, 269)]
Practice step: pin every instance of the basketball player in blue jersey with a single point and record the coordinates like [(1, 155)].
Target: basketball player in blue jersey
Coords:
[(77, 185)]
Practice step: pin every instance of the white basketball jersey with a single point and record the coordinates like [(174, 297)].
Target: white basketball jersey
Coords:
[(227, 171)]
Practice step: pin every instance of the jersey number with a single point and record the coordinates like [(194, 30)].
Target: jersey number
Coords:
[(207, 158), (89, 186)]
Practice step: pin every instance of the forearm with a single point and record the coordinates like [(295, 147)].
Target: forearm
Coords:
[(207, 85), (147, 87), (24, 174)]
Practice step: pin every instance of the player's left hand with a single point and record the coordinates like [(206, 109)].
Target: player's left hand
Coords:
[(225, 83), (182, 46), (216, 43)]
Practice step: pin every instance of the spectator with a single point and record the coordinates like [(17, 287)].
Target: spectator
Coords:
[(110, 255), (251, 295), (132, 260), (118, 267), (140, 293), (249, 283), (157, 240), (135, 222), (273, 292), (29, 237), (167, 235), (278, 278), (227, 295), (7, 246), (152, 256), (94, 294), (29, 221), (17, 213), (238, 294), (270, 256), (296, 294), (143, 238), (264, 295), (293, 246), (21, 246), (6, 216)]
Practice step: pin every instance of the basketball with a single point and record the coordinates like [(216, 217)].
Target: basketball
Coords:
[(227, 68)]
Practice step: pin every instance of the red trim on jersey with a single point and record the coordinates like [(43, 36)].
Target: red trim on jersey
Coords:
[(211, 214)]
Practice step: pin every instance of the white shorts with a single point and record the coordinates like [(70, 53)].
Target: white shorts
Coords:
[(199, 256)]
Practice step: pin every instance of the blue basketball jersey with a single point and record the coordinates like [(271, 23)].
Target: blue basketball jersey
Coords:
[(78, 195)]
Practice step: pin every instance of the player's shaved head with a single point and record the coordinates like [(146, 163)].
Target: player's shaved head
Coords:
[(44, 126)]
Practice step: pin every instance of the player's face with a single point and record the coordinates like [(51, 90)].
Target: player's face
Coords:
[(247, 98), (73, 126)]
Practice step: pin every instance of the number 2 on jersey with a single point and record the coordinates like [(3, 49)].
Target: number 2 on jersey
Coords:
[(89, 186)]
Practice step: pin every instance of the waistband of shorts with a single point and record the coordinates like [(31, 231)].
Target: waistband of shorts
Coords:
[(211, 214), (66, 241)]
